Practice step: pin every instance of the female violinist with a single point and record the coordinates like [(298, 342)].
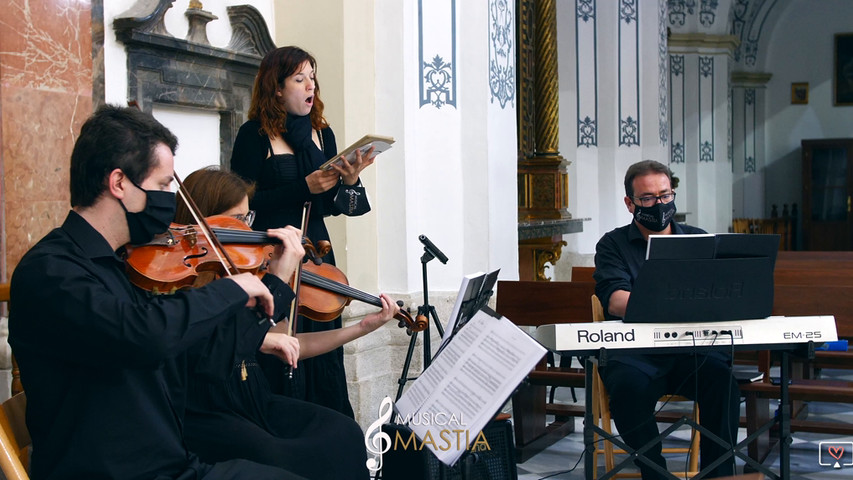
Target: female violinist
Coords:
[(231, 411), (280, 149)]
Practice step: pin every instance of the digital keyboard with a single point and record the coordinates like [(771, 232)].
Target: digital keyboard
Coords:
[(776, 330)]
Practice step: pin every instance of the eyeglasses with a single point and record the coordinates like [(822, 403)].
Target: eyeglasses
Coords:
[(248, 218), (649, 200)]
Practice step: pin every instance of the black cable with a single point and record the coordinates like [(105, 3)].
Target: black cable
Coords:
[(569, 470), (603, 438)]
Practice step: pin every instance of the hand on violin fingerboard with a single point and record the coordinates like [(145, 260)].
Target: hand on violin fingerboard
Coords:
[(282, 346), (286, 256), (375, 320)]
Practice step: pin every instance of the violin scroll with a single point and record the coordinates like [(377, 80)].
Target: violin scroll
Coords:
[(406, 321), (315, 253)]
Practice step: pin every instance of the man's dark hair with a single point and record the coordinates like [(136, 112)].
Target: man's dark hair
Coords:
[(114, 137), (646, 167)]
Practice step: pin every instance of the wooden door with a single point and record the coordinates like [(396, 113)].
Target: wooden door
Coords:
[(827, 192)]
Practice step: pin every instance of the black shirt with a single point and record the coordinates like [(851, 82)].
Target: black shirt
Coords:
[(102, 362), (618, 257)]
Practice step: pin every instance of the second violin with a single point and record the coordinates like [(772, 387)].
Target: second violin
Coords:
[(179, 258)]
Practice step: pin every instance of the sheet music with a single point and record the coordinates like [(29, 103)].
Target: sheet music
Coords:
[(452, 401), (473, 285)]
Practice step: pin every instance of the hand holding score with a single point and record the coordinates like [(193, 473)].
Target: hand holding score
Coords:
[(320, 181), (349, 172)]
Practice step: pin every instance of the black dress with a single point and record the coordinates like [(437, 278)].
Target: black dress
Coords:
[(231, 412), (281, 191)]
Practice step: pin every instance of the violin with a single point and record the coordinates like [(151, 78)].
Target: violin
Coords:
[(325, 292), (179, 257)]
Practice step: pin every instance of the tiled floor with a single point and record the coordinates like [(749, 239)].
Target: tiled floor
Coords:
[(563, 460)]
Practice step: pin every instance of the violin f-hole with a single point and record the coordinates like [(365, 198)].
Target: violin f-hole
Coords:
[(192, 256)]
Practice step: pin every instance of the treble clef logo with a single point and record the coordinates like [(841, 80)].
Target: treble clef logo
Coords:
[(377, 441)]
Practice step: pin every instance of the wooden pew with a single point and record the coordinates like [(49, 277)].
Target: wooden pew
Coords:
[(533, 304), (807, 283), (582, 274)]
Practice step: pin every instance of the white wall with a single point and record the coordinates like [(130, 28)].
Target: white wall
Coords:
[(197, 130), (800, 49), (596, 173)]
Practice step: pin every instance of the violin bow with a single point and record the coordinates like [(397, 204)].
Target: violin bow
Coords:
[(218, 248), (297, 281), (297, 276)]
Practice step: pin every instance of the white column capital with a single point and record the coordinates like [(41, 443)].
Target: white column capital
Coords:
[(702, 43)]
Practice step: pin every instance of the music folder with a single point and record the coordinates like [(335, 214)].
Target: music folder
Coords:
[(734, 282)]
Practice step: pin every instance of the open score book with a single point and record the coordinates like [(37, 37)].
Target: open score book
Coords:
[(363, 145), (468, 383)]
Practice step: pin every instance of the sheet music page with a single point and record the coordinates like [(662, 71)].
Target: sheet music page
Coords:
[(470, 287), (452, 401)]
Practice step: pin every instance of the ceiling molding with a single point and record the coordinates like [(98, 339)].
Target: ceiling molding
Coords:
[(750, 79), (702, 43)]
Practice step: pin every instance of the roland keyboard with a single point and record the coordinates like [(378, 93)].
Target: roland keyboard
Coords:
[(777, 330)]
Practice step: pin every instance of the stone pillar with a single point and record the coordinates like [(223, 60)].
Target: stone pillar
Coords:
[(700, 147), (47, 81), (748, 91)]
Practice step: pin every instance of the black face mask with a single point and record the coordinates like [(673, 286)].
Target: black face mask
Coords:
[(657, 217), (158, 214)]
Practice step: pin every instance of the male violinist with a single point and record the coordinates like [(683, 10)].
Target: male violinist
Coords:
[(102, 362)]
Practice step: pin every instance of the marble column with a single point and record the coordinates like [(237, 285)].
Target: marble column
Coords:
[(45, 95)]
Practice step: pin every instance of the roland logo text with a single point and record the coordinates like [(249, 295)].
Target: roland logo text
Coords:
[(600, 336)]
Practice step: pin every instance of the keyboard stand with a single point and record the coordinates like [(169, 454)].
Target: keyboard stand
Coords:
[(783, 419)]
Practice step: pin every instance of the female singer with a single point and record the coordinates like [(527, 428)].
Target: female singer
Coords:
[(280, 148), (231, 411)]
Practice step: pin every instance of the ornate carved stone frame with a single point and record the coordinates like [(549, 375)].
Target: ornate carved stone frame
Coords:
[(163, 69)]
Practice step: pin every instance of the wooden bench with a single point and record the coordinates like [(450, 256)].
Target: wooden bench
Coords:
[(582, 274), (532, 304), (813, 283)]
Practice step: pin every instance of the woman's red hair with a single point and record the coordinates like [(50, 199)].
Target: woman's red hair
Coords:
[(276, 66)]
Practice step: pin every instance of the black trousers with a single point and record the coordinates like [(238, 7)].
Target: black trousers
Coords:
[(240, 470), (634, 395), (300, 437)]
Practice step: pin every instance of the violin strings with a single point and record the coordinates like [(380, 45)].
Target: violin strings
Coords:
[(232, 233), (323, 282)]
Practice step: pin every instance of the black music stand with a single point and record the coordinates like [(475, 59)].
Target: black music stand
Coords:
[(704, 278), (425, 310), (474, 294)]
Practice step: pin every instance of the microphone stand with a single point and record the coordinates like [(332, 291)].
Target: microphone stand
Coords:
[(424, 310)]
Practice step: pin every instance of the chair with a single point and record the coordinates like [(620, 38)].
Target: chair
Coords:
[(601, 414), (531, 304), (14, 437)]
